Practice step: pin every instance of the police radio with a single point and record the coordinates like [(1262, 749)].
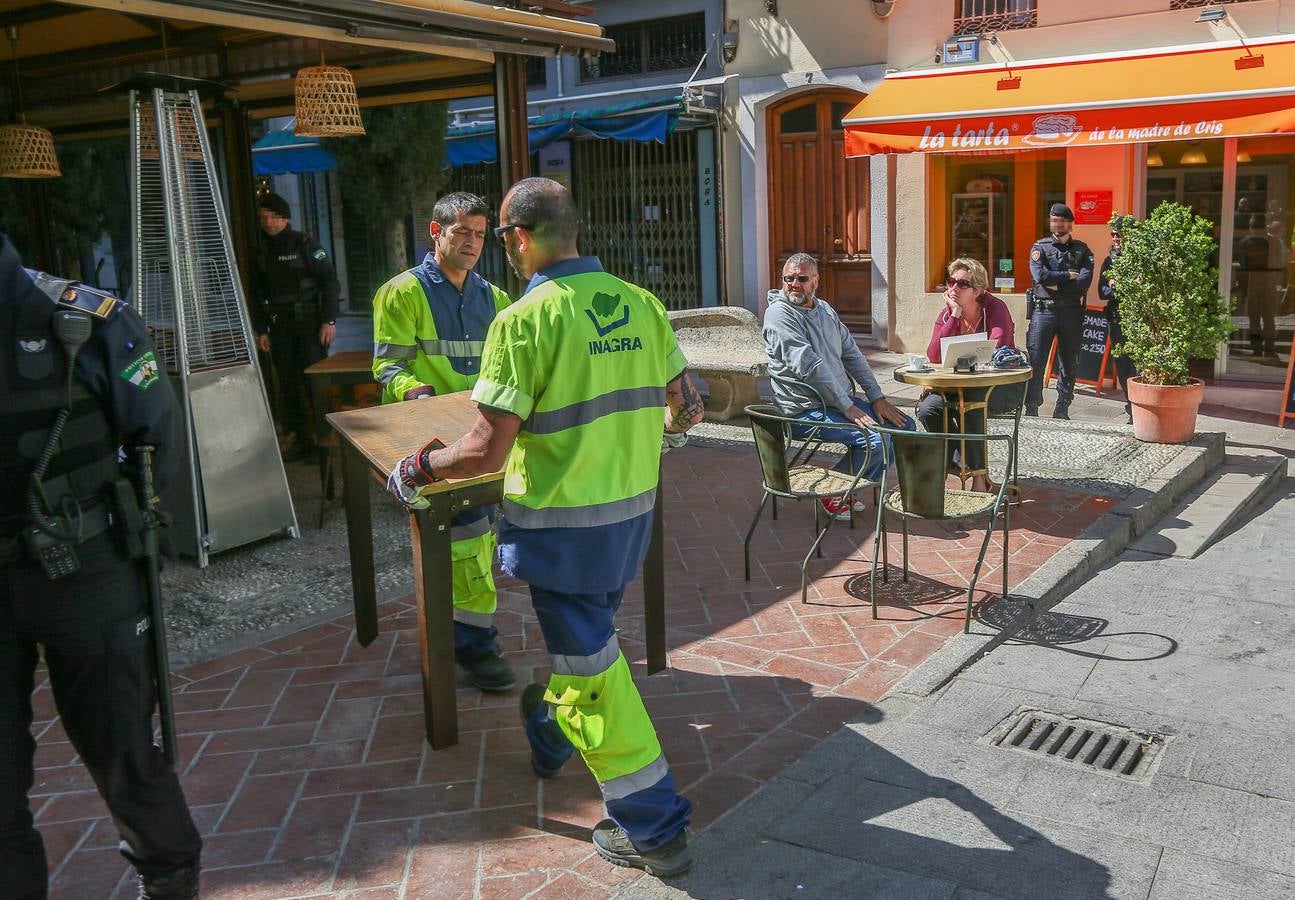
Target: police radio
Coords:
[(47, 543)]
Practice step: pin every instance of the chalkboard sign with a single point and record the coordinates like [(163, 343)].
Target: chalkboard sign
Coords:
[(1094, 350), (1288, 395)]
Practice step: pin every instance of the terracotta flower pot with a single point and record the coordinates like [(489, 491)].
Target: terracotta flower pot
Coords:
[(1165, 413)]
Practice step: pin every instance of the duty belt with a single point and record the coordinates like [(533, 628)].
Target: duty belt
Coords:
[(1051, 303), (296, 309)]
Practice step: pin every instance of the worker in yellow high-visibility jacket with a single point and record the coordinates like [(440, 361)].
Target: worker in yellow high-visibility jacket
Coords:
[(578, 379), (429, 327)]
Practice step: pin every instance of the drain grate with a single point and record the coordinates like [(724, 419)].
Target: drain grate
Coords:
[(1101, 746)]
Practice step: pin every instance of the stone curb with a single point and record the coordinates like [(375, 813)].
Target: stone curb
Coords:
[(1075, 563)]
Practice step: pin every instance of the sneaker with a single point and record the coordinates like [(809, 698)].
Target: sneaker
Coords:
[(1032, 411), (180, 884), (490, 673), (533, 696), (670, 859), (1061, 411), (836, 508)]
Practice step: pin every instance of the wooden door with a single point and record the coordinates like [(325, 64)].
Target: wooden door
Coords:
[(818, 200)]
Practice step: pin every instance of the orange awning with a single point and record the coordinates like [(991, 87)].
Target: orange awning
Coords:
[(1183, 94)]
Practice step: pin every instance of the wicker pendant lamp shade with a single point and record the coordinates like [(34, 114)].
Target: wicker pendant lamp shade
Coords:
[(26, 151), (327, 105)]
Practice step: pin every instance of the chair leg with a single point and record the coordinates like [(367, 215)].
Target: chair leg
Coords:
[(885, 547), (904, 521), (746, 544), (1007, 507), (818, 532), (975, 573), (326, 496), (876, 550), (816, 549), (775, 509)]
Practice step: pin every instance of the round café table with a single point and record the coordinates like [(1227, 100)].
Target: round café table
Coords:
[(952, 385)]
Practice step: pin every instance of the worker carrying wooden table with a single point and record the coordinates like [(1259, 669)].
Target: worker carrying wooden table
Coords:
[(578, 379), (429, 328)]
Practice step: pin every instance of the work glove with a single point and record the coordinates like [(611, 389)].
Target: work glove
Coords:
[(411, 475), (418, 393), (673, 440)]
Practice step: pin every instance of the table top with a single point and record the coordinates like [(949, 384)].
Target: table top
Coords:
[(348, 362), (945, 379), (386, 434)]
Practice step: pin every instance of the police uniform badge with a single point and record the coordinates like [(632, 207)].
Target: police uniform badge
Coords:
[(1036, 255)]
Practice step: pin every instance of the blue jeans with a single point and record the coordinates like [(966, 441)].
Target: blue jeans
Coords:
[(857, 441)]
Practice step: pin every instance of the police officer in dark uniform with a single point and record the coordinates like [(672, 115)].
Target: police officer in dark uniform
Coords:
[(67, 581), (1124, 367), (1062, 269), (294, 313)]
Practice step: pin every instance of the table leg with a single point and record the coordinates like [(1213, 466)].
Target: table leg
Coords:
[(359, 541), (429, 531), (319, 404), (654, 590)]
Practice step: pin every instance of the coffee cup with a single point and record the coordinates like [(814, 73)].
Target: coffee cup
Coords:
[(917, 363)]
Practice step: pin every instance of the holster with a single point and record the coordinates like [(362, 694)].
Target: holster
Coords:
[(128, 520)]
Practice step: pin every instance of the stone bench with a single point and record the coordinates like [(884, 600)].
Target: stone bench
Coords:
[(724, 346)]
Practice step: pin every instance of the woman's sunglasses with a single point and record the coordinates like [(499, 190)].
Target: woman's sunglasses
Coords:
[(960, 283), (788, 279)]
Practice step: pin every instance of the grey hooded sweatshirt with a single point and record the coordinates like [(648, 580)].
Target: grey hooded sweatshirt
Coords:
[(813, 346)]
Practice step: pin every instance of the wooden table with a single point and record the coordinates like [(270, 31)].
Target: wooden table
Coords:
[(951, 384), (345, 370), (373, 441)]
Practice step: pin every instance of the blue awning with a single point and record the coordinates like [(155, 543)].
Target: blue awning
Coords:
[(636, 120), (282, 152)]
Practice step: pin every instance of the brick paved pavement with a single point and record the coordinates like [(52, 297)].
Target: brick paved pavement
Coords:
[(303, 757)]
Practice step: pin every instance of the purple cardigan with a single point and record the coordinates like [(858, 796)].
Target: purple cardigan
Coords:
[(997, 324)]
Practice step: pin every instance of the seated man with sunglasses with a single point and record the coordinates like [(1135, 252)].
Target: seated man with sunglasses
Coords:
[(807, 343)]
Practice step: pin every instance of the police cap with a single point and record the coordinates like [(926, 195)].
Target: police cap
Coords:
[(275, 204), (1061, 211)]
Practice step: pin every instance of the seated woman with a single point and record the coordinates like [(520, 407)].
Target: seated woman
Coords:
[(968, 309)]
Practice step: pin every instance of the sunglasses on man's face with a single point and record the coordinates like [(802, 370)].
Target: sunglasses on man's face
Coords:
[(504, 229), (788, 279), (960, 283)]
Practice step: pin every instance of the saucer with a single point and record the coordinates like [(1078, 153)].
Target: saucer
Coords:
[(917, 371)]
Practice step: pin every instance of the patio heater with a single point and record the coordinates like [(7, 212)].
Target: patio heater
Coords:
[(232, 488)]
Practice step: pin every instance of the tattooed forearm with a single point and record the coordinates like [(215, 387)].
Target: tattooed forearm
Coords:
[(479, 452), (684, 400)]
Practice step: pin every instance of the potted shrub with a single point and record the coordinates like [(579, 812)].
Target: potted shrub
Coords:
[(1172, 313)]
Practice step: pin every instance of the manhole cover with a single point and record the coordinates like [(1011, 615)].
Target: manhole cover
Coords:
[(1101, 746)]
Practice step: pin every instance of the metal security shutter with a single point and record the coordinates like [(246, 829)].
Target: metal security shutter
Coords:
[(638, 202)]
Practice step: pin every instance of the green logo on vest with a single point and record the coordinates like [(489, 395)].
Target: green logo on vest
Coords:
[(604, 307)]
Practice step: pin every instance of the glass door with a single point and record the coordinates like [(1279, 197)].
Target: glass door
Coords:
[(1260, 344)]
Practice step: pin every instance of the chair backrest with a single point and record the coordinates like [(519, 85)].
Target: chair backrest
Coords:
[(921, 461), (922, 466), (769, 428), (803, 386)]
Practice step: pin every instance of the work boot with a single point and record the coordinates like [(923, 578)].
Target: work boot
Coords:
[(180, 884), (670, 859), (1061, 411), (1032, 411), (490, 673), (533, 696)]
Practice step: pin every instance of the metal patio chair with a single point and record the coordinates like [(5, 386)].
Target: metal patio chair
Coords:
[(920, 461), (787, 473)]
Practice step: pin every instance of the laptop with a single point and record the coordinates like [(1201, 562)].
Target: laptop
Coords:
[(977, 346)]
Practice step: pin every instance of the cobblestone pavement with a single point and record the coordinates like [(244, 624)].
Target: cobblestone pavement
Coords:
[(303, 756)]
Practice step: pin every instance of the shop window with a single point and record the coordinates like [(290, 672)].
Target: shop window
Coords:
[(980, 16), (642, 48), (992, 208)]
